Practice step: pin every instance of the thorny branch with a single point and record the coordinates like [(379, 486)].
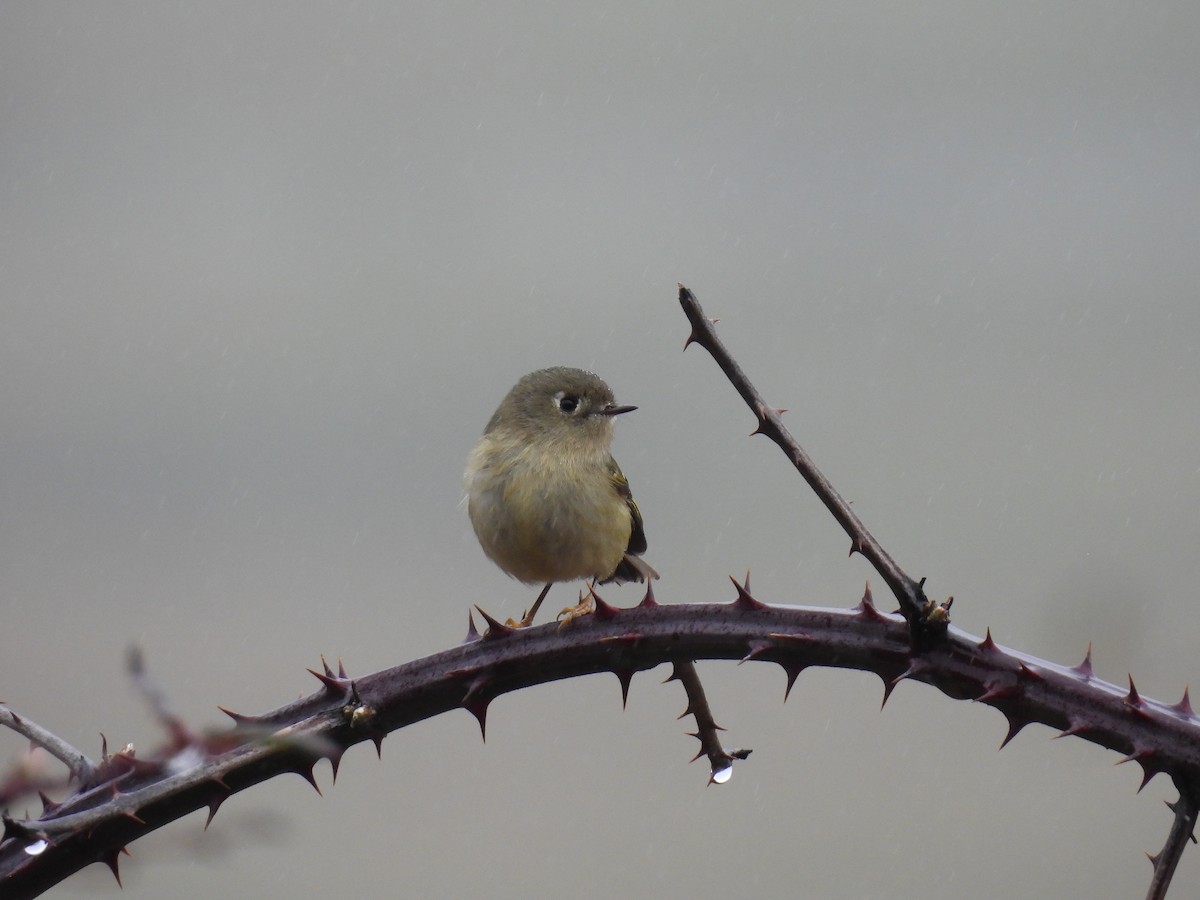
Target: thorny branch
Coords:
[(720, 760), (77, 763), (93, 825), (926, 620), (125, 797), (1183, 829)]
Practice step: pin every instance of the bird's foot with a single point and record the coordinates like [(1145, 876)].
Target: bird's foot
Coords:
[(585, 607)]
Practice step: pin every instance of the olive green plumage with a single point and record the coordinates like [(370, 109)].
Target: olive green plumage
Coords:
[(546, 498)]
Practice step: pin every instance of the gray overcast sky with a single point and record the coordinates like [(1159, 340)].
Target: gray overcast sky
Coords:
[(268, 269)]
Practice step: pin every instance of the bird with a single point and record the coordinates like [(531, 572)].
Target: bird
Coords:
[(546, 499)]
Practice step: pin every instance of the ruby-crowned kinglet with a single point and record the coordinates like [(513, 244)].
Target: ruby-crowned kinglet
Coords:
[(547, 500)]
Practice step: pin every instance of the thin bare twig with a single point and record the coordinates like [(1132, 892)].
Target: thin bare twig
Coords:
[(719, 759), (155, 697), (79, 764), (1183, 829), (926, 620)]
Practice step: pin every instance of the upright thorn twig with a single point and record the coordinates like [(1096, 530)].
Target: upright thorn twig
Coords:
[(1182, 830), (924, 618)]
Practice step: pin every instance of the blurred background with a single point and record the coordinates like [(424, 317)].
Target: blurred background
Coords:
[(269, 268)]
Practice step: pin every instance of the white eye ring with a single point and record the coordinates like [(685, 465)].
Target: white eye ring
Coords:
[(566, 403)]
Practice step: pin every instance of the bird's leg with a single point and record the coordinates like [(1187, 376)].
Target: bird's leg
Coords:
[(527, 619), (585, 607)]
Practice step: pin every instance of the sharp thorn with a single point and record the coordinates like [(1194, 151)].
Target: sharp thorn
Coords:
[(495, 628), (472, 633), (744, 601), (624, 676), (1133, 698), (307, 774), (1085, 667), (987, 644), (648, 600), (213, 805), (603, 611), (1184, 706), (110, 860)]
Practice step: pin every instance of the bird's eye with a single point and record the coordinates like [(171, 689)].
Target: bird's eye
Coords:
[(568, 404)]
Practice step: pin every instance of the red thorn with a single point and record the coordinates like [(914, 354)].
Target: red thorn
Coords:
[(238, 719), (744, 601), (48, 805), (1133, 698), (761, 412), (889, 685), (999, 692), (333, 684), (1145, 758), (132, 816), (477, 687), (479, 709), (1184, 706), (473, 702), (987, 645), (1147, 774), (1072, 729), (472, 634), (335, 760), (213, 805), (624, 676), (866, 609), (604, 611), (916, 666), (325, 665), (792, 670), (758, 648), (1015, 724), (1138, 756), (306, 772), (1085, 668), (648, 601), (110, 859), (1029, 674), (495, 629)]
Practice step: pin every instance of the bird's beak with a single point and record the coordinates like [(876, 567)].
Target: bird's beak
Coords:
[(614, 410)]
